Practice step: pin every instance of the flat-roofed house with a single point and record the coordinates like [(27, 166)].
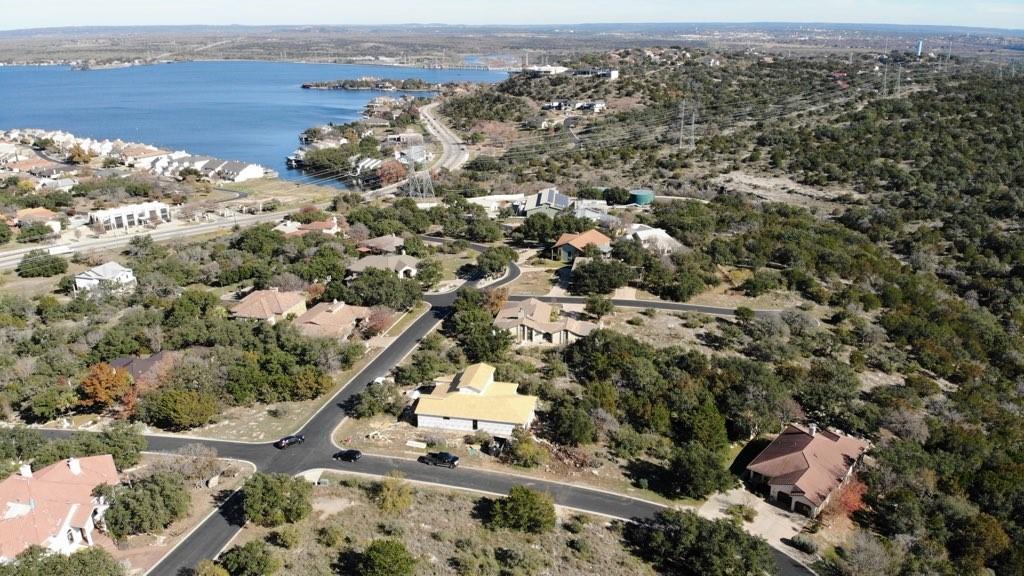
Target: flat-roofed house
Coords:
[(54, 507), (110, 274), (331, 320), (569, 246), (270, 305), (404, 266), (655, 239), (532, 322), (472, 400), (803, 467), (131, 215)]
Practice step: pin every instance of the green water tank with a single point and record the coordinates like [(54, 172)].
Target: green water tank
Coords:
[(641, 196)]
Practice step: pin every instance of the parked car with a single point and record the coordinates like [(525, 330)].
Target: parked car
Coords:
[(289, 441), (440, 459), (348, 455)]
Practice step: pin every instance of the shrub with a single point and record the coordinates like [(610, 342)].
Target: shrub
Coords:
[(148, 505), (386, 558), (525, 510), (330, 536), (741, 512), (253, 559), (392, 495), (287, 537), (178, 409), (803, 544)]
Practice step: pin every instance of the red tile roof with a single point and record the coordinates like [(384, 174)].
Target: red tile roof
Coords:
[(582, 240)]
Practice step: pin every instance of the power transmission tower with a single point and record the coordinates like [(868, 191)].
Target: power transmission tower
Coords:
[(899, 77), (885, 80), (420, 185)]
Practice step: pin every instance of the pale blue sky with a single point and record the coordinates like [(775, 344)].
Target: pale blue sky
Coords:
[(15, 14)]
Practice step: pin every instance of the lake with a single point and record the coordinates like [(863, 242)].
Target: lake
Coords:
[(234, 110)]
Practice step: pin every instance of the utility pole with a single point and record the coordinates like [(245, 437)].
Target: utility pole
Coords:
[(885, 80), (682, 122), (899, 77)]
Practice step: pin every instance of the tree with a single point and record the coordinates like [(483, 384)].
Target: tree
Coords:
[(103, 386), (38, 561), (376, 287), (495, 260), (390, 172), (599, 306), (5, 233), (697, 471), (616, 195), (429, 272), (51, 402), (34, 232), (255, 558), (525, 510), (684, 544), (571, 424), (386, 558), (40, 263), (148, 505), (600, 276), (79, 155), (273, 499), (176, 408)]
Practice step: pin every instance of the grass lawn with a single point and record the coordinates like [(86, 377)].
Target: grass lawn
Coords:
[(287, 192), (444, 529), (450, 263)]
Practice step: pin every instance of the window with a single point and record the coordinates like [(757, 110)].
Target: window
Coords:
[(71, 537), (476, 425), (445, 418)]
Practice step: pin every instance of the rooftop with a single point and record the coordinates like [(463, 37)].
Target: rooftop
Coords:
[(267, 303), (814, 462), (474, 395), (584, 239)]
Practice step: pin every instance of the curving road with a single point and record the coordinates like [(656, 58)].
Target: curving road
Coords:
[(453, 153)]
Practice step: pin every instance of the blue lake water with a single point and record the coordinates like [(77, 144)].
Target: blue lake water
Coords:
[(252, 111)]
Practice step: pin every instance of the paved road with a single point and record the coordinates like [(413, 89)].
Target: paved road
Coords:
[(453, 154)]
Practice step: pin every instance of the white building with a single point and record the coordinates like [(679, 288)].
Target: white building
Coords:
[(655, 239), (240, 171), (111, 274), (54, 507), (473, 401), (494, 203), (131, 215)]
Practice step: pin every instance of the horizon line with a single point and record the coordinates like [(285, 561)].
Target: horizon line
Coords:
[(522, 25)]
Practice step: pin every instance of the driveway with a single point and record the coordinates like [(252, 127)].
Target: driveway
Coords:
[(771, 523)]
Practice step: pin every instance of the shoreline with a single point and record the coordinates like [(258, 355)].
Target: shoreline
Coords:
[(71, 64)]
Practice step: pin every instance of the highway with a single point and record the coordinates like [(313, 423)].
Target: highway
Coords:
[(453, 153)]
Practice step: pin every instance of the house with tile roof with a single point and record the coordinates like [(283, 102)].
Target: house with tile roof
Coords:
[(54, 507), (270, 305), (803, 467), (331, 320), (404, 266), (532, 322), (472, 401), (569, 246), (388, 244)]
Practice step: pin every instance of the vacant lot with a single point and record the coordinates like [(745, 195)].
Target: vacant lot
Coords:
[(444, 529)]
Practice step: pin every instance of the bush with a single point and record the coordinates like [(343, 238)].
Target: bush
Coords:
[(525, 510), (525, 451), (741, 512), (803, 544), (253, 559), (273, 499), (330, 536), (392, 495), (386, 558), (39, 263), (287, 537)]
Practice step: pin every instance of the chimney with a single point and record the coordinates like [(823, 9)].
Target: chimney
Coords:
[(25, 470), (814, 429), (75, 466)]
